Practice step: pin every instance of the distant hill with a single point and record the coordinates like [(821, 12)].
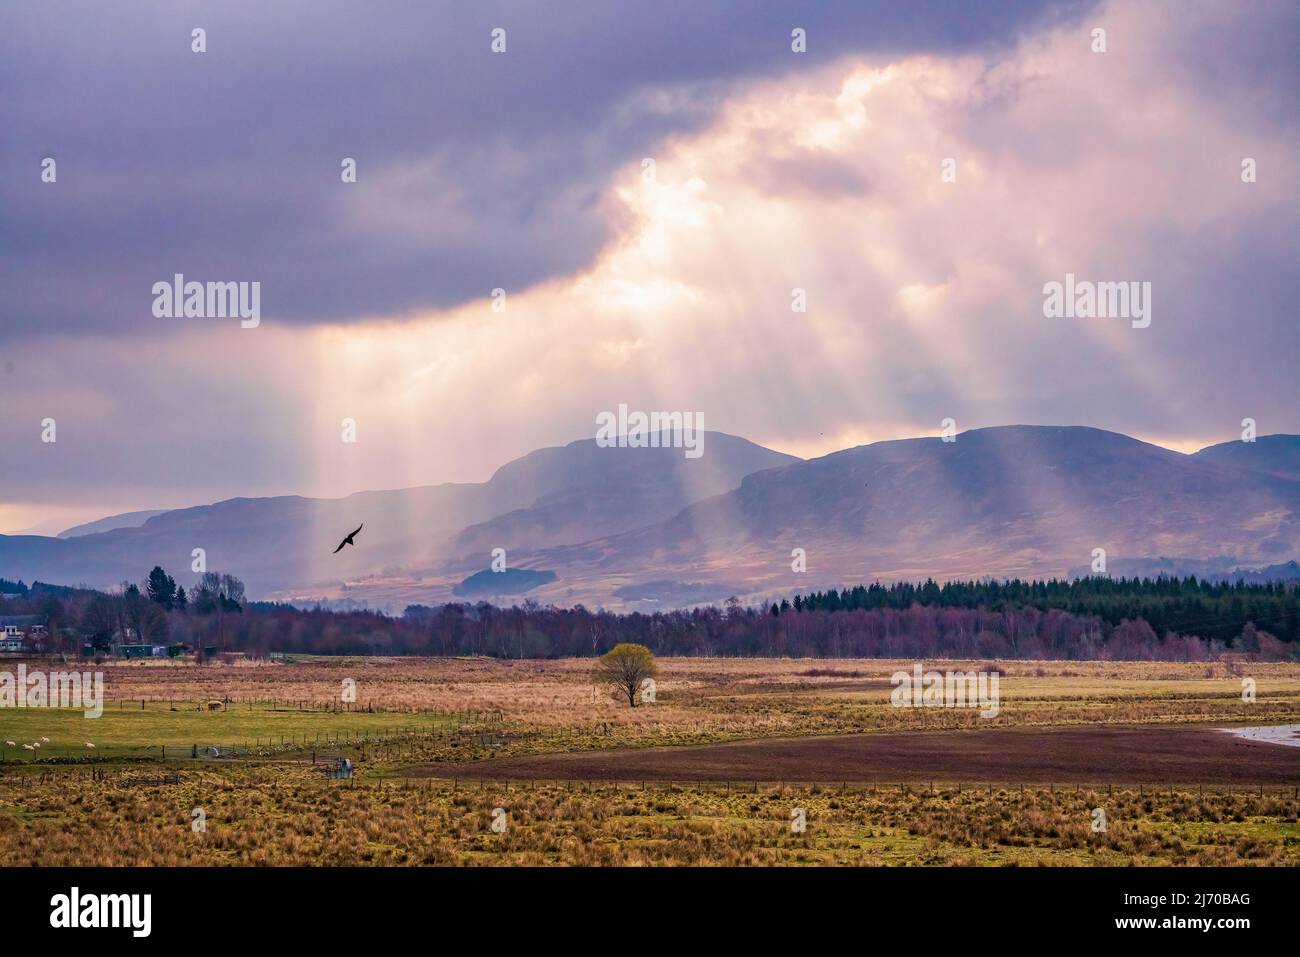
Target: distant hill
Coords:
[(592, 492), (125, 520), (1006, 501), (649, 528), (1277, 455), (508, 581), (1222, 568), (282, 544)]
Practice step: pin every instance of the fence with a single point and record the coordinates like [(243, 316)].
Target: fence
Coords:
[(461, 726), (323, 706)]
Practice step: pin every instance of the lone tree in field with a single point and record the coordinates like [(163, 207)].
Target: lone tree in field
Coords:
[(624, 668)]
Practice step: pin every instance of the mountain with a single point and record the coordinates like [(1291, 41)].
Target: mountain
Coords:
[(283, 545), (508, 581), (590, 491), (1277, 455), (1219, 568), (650, 528), (1013, 500), (125, 520)]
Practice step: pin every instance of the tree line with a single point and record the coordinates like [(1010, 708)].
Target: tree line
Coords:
[(156, 611), (1120, 619), (1213, 610)]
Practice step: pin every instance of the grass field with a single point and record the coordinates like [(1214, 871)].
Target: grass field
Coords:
[(436, 720), (136, 732), (255, 816)]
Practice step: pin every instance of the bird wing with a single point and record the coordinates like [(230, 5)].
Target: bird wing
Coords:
[(348, 539)]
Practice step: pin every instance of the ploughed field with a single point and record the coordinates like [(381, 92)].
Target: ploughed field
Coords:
[(1151, 754)]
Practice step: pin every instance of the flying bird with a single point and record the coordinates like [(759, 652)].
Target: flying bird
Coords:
[(349, 540)]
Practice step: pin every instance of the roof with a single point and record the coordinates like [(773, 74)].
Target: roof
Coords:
[(21, 621)]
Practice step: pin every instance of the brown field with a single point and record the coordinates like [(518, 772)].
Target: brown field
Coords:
[(1069, 737), (709, 699), (1179, 754)]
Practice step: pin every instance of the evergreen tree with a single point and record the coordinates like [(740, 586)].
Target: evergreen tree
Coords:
[(161, 588)]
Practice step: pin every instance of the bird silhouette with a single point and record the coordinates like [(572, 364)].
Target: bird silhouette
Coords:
[(349, 539)]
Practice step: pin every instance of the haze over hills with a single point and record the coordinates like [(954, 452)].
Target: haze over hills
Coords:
[(284, 544), (1275, 454), (1014, 500), (592, 492), (107, 524), (651, 528)]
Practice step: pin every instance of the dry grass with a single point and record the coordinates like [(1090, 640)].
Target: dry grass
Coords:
[(549, 706), (293, 817), (288, 813)]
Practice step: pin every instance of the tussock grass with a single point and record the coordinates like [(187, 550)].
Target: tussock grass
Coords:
[(280, 816)]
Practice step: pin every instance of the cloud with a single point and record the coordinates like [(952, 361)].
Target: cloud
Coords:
[(924, 296), (475, 170)]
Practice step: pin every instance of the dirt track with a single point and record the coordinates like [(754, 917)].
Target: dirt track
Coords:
[(1164, 754)]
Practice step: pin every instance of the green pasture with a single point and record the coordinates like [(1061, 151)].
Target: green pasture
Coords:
[(135, 732)]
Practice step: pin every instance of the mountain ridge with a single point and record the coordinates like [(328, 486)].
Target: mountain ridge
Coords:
[(1000, 500)]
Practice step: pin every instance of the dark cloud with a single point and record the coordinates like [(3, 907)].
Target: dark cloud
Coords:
[(475, 170)]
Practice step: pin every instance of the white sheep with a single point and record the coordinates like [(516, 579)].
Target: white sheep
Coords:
[(45, 739), (89, 745), (11, 744), (27, 747), (36, 744)]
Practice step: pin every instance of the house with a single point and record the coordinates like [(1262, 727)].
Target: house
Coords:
[(20, 633)]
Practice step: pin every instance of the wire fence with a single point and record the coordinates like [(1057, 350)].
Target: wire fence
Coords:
[(435, 728), (315, 705)]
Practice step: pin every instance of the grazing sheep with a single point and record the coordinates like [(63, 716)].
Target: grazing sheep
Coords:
[(89, 745), (36, 744), (27, 747), (12, 744), (45, 739)]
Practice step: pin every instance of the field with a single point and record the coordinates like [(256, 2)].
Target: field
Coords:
[(143, 733), (709, 774), (1116, 754)]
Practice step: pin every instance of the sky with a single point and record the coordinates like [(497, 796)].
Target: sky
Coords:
[(653, 188)]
